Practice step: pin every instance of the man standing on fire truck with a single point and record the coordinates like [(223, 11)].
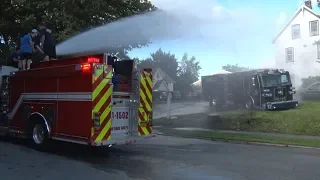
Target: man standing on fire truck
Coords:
[(27, 48), (47, 43)]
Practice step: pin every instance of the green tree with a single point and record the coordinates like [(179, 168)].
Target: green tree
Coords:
[(234, 68), (147, 63), (188, 73), (66, 17), (166, 62), (183, 73), (189, 68)]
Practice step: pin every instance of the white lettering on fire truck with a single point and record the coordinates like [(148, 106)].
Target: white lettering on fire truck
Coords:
[(118, 128)]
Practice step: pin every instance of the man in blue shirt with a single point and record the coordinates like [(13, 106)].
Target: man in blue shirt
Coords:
[(27, 48)]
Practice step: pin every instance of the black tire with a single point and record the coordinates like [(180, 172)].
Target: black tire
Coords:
[(263, 107), (39, 136)]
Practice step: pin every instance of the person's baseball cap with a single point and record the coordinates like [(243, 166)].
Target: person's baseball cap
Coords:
[(34, 31)]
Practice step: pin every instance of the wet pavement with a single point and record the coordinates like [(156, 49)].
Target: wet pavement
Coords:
[(160, 158)]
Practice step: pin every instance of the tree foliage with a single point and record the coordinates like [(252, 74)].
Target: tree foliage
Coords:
[(65, 17), (234, 68), (163, 60), (188, 72), (183, 73)]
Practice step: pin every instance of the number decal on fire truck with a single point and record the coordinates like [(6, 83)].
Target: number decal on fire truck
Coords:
[(120, 120), (120, 115)]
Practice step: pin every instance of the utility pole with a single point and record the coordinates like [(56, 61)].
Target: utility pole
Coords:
[(169, 97)]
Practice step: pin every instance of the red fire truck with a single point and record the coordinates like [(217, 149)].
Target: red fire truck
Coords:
[(93, 100)]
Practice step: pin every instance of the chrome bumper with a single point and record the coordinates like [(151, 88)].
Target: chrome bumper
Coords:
[(281, 105), (122, 140)]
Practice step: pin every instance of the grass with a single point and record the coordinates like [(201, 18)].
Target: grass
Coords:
[(255, 138), (304, 120)]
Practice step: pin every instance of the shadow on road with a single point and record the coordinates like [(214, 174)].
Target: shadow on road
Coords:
[(112, 160)]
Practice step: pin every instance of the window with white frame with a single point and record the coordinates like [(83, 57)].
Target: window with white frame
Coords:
[(314, 28), (295, 31), (289, 55)]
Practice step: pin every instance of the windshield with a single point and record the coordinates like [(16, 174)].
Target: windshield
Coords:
[(275, 79)]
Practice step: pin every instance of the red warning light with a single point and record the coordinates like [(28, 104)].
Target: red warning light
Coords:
[(93, 60), (85, 67)]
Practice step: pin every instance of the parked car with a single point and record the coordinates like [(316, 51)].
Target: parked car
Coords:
[(176, 95), (312, 92), (159, 96)]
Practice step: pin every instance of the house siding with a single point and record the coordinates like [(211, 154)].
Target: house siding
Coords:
[(305, 52)]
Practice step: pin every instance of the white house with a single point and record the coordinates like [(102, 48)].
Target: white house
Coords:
[(295, 48), (161, 81)]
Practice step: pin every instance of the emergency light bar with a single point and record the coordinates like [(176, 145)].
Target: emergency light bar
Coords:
[(93, 60)]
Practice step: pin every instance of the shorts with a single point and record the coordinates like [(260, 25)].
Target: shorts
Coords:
[(25, 56), (37, 57), (50, 50)]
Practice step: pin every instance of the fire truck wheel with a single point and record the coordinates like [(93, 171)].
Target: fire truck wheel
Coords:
[(39, 136)]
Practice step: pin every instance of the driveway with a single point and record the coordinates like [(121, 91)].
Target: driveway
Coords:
[(180, 108)]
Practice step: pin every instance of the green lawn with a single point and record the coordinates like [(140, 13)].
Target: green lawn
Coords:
[(305, 119)]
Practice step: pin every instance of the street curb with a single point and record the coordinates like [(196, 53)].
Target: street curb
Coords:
[(247, 142), (263, 144)]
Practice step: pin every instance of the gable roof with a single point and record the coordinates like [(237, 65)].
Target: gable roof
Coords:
[(158, 84), (300, 9), (166, 77)]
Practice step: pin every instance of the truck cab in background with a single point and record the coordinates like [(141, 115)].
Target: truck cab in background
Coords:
[(271, 89), (265, 89)]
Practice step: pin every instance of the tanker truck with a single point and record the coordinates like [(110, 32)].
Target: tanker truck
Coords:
[(264, 89)]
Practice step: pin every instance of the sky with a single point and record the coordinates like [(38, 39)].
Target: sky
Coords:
[(235, 32)]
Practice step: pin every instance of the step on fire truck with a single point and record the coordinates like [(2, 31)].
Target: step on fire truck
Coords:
[(93, 100)]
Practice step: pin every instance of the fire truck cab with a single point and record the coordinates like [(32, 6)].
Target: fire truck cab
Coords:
[(93, 100)]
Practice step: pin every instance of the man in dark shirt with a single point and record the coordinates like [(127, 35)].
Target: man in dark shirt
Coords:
[(38, 54), (15, 57), (47, 43)]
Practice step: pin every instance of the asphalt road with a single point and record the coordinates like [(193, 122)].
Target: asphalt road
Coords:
[(160, 158)]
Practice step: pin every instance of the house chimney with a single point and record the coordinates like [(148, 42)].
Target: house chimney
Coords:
[(308, 4)]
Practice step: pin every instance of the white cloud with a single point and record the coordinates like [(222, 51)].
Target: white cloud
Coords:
[(282, 18)]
